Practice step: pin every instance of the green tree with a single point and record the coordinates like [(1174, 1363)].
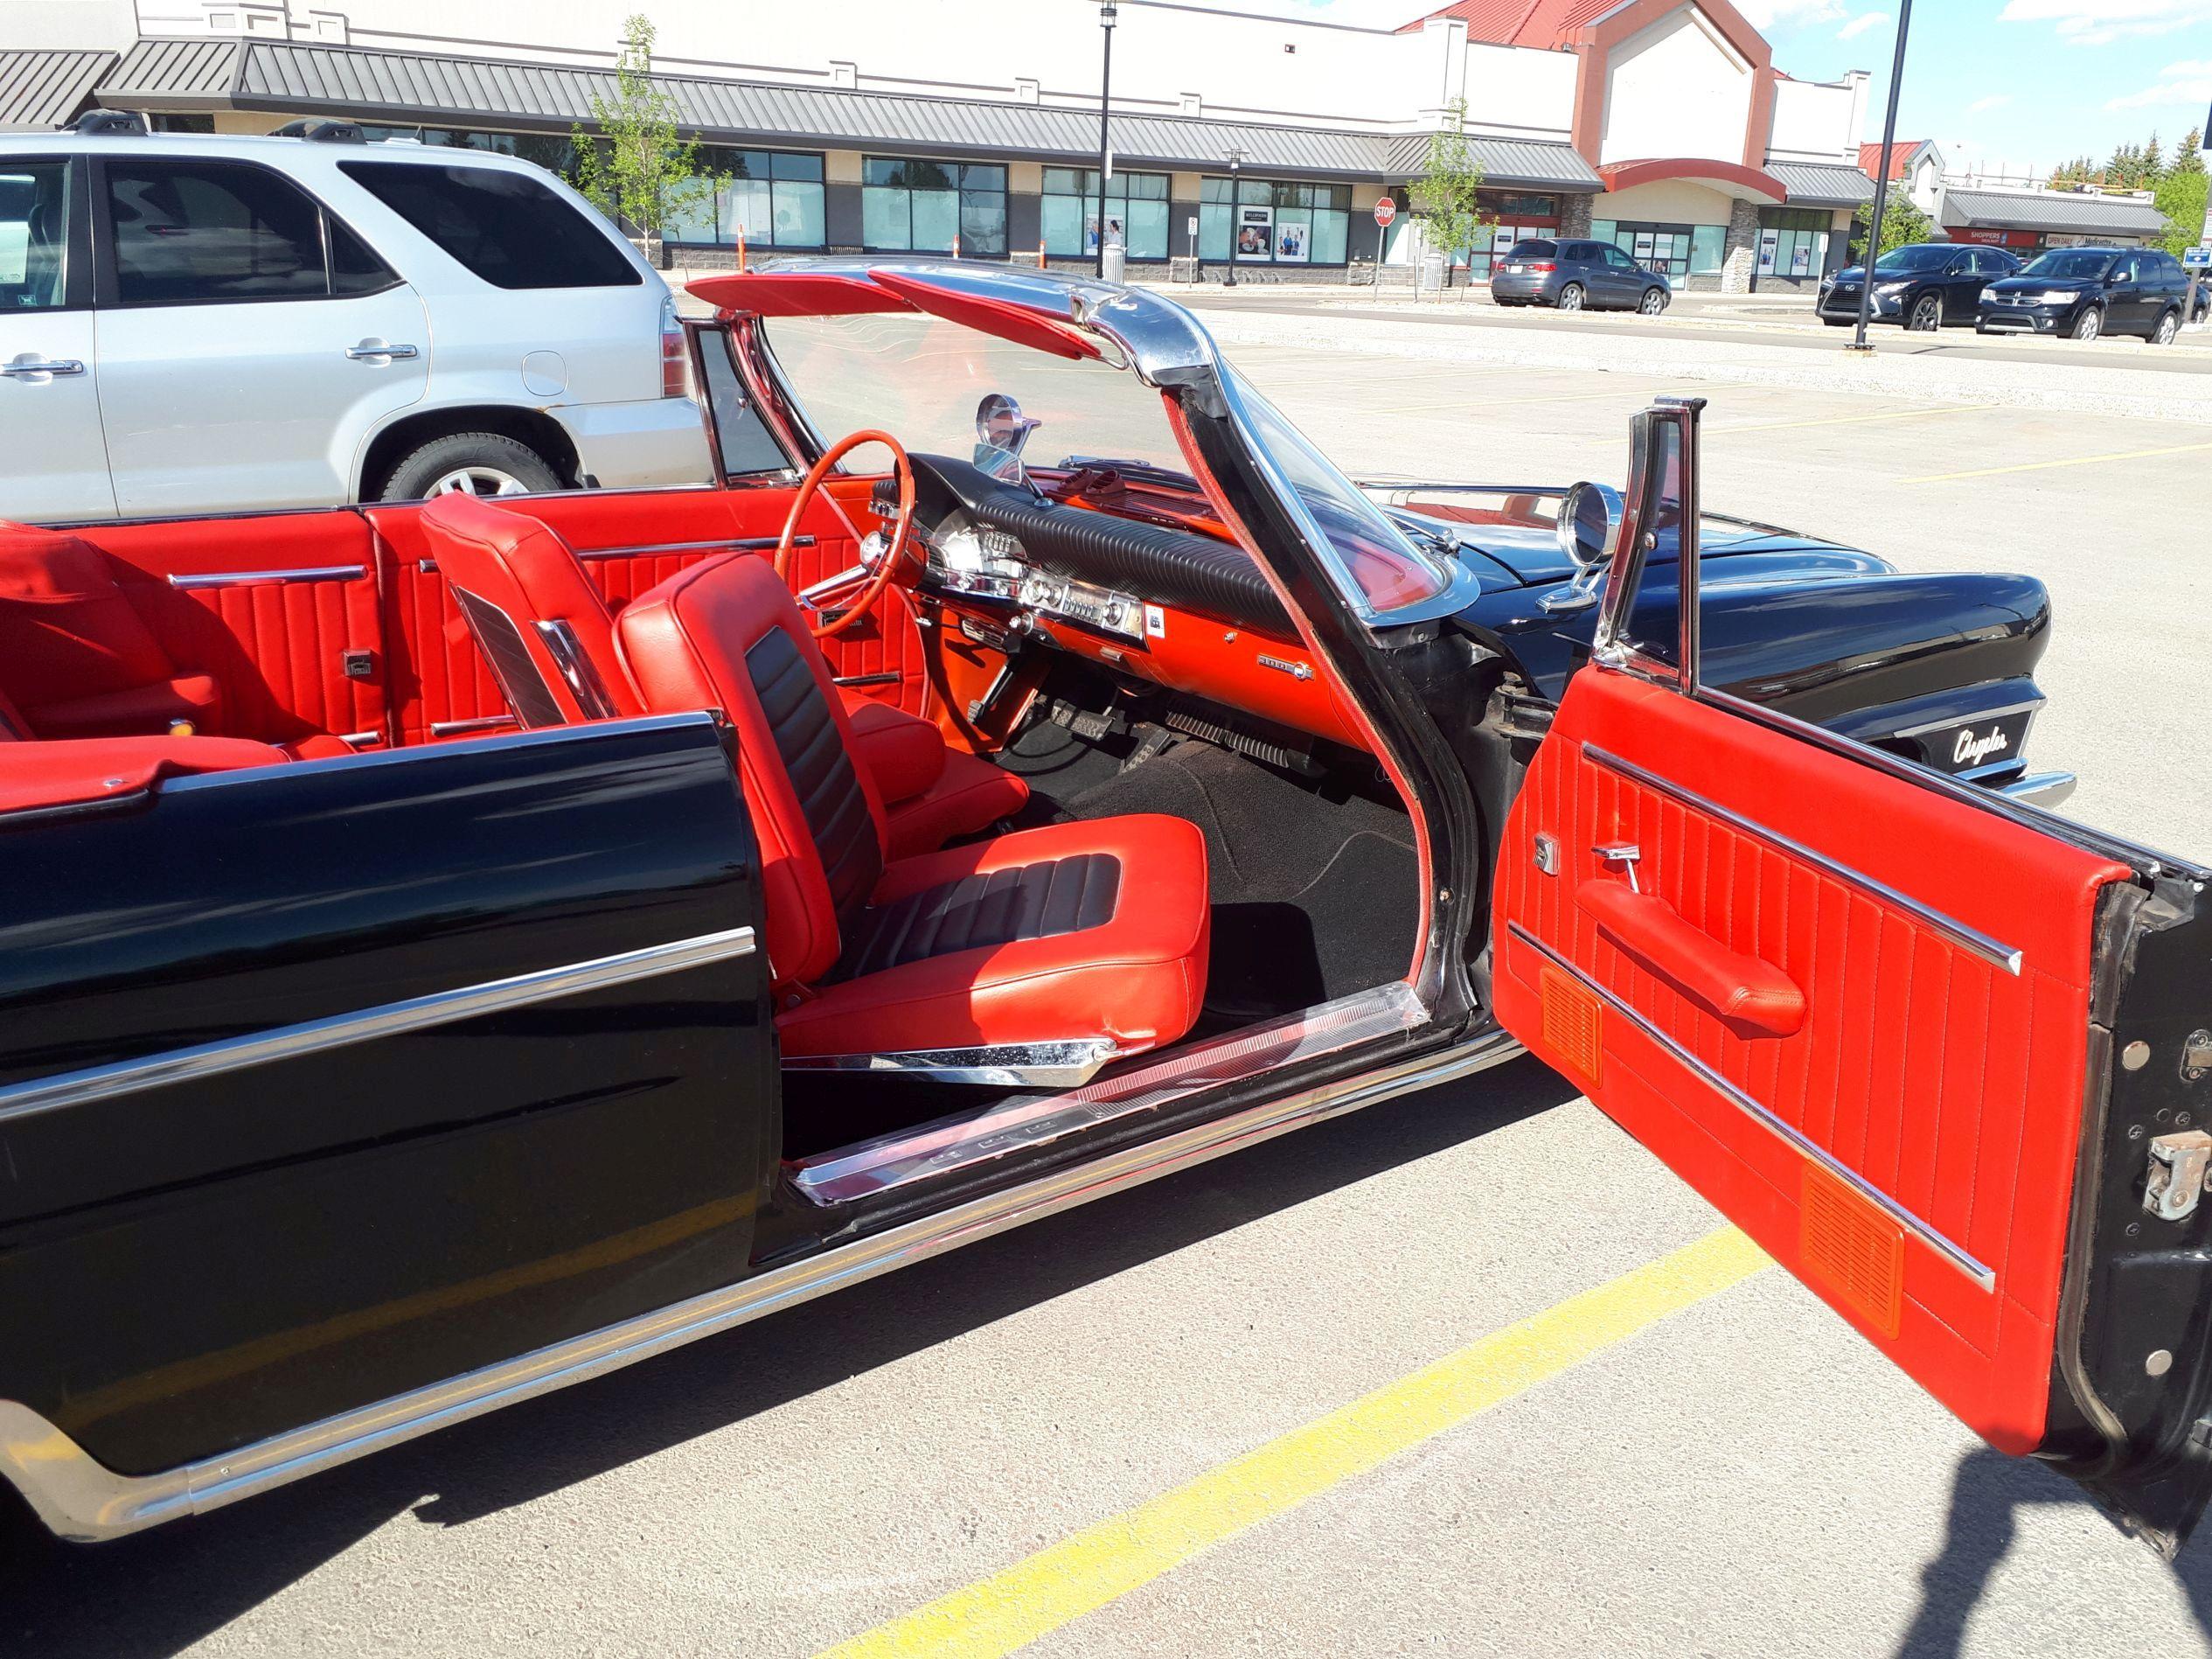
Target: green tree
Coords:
[(642, 169), (2180, 197), (2153, 162), (1443, 198), (1902, 222), (2189, 159)]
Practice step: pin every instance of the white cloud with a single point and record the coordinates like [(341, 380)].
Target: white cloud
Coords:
[(1766, 14), (2097, 23), (1995, 100), (2187, 84), (1860, 24)]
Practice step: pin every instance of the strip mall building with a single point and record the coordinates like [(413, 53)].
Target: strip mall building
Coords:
[(888, 125)]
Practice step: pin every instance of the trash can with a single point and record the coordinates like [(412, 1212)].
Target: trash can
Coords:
[(1432, 273), (1116, 262)]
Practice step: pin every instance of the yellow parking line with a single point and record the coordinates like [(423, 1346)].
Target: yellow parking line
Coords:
[(1853, 419), (2069, 461), (1091, 1569)]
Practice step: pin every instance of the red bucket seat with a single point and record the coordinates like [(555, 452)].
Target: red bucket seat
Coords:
[(548, 635)]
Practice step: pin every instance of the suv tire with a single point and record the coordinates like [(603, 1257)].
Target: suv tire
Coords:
[(2169, 324), (480, 463), (1927, 314), (1653, 303), (2089, 325), (1570, 298)]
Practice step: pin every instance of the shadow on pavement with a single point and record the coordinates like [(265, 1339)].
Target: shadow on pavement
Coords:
[(158, 1592), (1986, 1495)]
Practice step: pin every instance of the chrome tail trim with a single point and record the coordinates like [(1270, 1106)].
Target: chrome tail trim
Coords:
[(363, 1025), (909, 1155), (1950, 1253), (249, 578), (79, 1498), (1993, 951), (2043, 788)]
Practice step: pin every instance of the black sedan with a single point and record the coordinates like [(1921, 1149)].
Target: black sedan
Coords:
[(1922, 285), (450, 950), (2085, 292)]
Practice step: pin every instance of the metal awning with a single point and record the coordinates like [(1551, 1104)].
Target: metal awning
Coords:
[(2062, 212), (1823, 184), (187, 75), (40, 91), (1503, 161)]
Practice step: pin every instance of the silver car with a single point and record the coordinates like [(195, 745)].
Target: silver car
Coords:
[(192, 324)]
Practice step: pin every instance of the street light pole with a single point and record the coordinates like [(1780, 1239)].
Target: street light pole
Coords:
[(1106, 11), (1236, 160), (1881, 181)]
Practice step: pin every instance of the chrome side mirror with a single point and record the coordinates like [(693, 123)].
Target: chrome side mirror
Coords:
[(1001, 431), (1590, 534)]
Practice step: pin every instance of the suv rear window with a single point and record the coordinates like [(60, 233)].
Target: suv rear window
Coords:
[(192, 232), (1533, 250), (506, 227)]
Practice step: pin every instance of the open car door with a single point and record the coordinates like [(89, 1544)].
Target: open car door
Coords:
[(1947, 1058)]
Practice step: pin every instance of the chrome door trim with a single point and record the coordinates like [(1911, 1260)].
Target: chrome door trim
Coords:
[(247, 578), (1055, 1062), (1993, 951), (65, 1088), (719, 544), (1954, 1255), (559, 637), (480, 723), (79, 1498)]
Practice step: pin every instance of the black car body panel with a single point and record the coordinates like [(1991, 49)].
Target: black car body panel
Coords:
[(1945, 279), (2130, 292)]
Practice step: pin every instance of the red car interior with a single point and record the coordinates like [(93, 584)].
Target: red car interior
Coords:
[(543, 626), (1771, 1022)]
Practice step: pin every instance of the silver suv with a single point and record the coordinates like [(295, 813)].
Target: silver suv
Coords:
[(192, 324)]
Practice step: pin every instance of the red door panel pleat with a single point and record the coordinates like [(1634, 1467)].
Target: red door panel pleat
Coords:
[(278, 646), (1949, 1085)]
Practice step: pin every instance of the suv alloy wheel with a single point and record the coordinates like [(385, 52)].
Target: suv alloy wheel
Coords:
[(1927, 314), (1570, 298), (471, 462), (2169, 324), (2090, 324)]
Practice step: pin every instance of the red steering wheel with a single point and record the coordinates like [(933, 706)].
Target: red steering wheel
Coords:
[(880, 577)]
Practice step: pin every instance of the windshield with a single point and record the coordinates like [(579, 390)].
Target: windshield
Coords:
[(921, 379), (2073, 264), (1923, 257)]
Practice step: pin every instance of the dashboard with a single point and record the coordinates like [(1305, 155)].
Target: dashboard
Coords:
[(1186, 610)]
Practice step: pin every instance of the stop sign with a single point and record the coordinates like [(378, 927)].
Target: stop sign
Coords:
[(1386, 209)]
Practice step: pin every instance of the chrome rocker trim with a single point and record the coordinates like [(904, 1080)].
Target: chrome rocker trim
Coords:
[(414, 1013), (79, 1498), (1957, 1257), (1062, 1063), (2042, 789)]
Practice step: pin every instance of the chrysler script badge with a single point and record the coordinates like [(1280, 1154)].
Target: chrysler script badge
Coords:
[(1971, 751)]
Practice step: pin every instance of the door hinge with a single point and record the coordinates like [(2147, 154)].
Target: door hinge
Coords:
[(2197, 1055), (2176, 1181)]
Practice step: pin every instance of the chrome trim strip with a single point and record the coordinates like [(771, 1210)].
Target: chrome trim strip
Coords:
[(1953, 1254), (425, 754), (1993, 951), (905, 1156), (361, 740), (390, 1019), (248, 578), (560, 639), (721, 544), (78, 1498), (462, 728), (1061, 1063), (2044, 789)]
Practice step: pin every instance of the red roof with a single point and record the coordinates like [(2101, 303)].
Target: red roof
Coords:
[(1901, 152), (1548, 24)]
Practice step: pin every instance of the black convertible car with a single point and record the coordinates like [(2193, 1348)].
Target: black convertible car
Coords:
[(452, 950)]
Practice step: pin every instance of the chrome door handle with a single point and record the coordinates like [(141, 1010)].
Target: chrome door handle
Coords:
[(364, 352), (59, 366)]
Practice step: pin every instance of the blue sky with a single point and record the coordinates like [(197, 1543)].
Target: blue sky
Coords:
[(2025, 82)]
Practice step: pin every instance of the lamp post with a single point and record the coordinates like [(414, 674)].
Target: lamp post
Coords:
[(1882, 182), (1107, 10), (1236, 160)]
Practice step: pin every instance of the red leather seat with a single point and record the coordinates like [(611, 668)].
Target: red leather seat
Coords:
[(549, 638), (1034, 956)]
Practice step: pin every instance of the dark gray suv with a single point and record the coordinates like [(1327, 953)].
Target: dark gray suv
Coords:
[(1545, 270)]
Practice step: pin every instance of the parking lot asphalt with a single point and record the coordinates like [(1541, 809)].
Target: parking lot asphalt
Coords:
[(1347, 1393)]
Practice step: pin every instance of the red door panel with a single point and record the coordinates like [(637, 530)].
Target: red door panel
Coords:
[(1903, 1138), (270, 605)]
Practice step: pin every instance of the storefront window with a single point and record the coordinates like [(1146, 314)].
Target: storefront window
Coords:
[(920, 206), (1793, 241), (1272, 223), (1514, 215), (775, 199), (1136, 212), (552, 151), (1677, 250)]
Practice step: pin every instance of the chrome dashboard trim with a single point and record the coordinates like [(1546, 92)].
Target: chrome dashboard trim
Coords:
[(1952, 1254), (189, 584), (1994, 951), (202, 1060), (79, 1498)]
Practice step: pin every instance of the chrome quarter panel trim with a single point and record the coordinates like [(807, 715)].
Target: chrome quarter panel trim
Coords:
[(1991, 951), (2044, 789), (79, 1498), (249, 578), (416, 1013), (906, 1156), (481, 723), (719, 544), (1955, 1255)]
